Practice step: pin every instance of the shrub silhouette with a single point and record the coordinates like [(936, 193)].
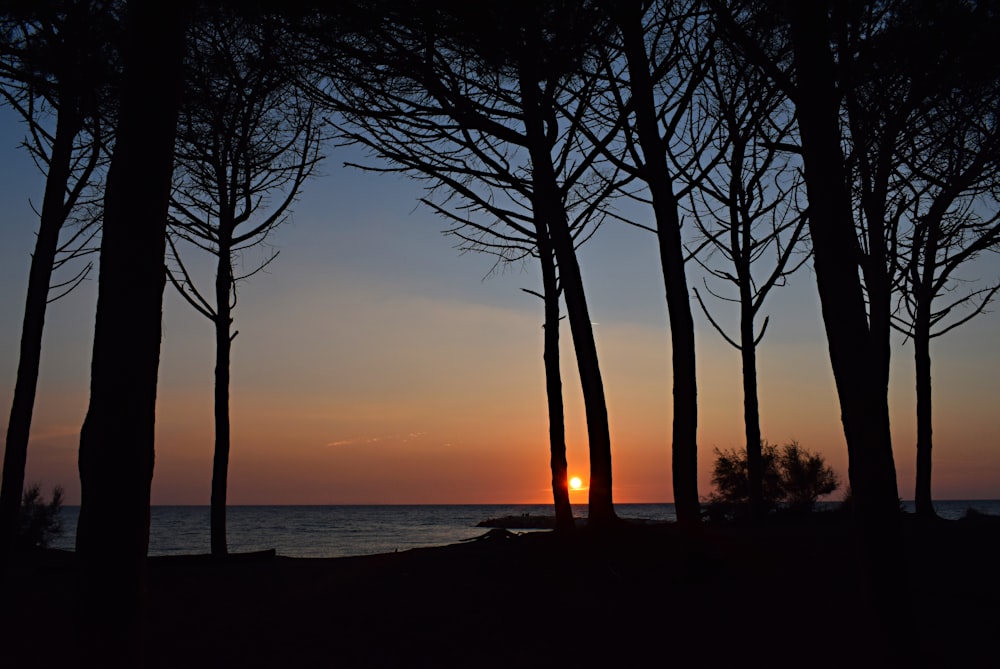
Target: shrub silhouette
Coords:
[(792, 477), (804, 477), (39, 521)]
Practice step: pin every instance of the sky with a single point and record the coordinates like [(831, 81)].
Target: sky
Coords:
[(377, 364)]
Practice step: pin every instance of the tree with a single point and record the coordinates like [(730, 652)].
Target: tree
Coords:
[(862, 89), (948, 165), (535, 82), (950, 229), (747, 211), (57, 66), (791, 476), (797, 48), (814, 52), (476, 114), (879, 79), (116, 442), (859, 352), (246, 134), (652, 68)]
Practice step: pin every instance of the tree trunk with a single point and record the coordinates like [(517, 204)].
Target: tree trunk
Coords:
[(658, 178), (685, 425), (751, 413), (223, 347), (600, 503), (857, 357), (42, 260), (923, 293), (741, 245), (548, 207), (922, 358), (601, 509), (116, 443), (553, 386)]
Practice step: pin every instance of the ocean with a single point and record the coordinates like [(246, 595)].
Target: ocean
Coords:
[(340, 531)]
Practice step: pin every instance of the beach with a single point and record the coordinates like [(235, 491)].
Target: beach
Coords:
[(788, 594)]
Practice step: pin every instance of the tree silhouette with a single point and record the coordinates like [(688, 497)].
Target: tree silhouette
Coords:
[(842, 72), (652, 72), (949, 168), (116, 442), (809, 54), (748, 212), (860, 89), (467, 99), (245, 135), (800, 50), (56, 63)]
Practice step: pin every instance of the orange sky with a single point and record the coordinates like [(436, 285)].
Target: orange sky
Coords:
[(375, 364)]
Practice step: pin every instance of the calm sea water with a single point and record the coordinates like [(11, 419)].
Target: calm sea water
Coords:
[(338, 531)]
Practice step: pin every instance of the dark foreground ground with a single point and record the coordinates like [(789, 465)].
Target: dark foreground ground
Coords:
[(787, 595)]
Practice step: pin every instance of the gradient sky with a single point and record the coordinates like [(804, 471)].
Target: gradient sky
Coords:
[(377, 365)]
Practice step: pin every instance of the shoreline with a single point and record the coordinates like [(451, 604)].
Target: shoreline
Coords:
[(364, 530)]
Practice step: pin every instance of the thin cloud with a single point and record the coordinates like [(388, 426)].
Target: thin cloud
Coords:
[(403, 439)]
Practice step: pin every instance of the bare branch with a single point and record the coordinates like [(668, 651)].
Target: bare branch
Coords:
[(715, 325)]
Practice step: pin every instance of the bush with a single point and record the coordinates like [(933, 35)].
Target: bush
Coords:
[(792, 477), (731, 477), (39, 521), (804, 477)]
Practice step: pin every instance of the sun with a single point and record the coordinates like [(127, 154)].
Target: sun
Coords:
[(575, 483)]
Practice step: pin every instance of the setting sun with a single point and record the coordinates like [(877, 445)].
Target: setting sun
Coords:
[(575, 483)]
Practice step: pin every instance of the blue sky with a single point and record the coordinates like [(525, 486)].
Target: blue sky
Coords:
[(377, 364)]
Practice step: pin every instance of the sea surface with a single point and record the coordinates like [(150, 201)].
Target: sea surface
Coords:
[(339, 531)]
